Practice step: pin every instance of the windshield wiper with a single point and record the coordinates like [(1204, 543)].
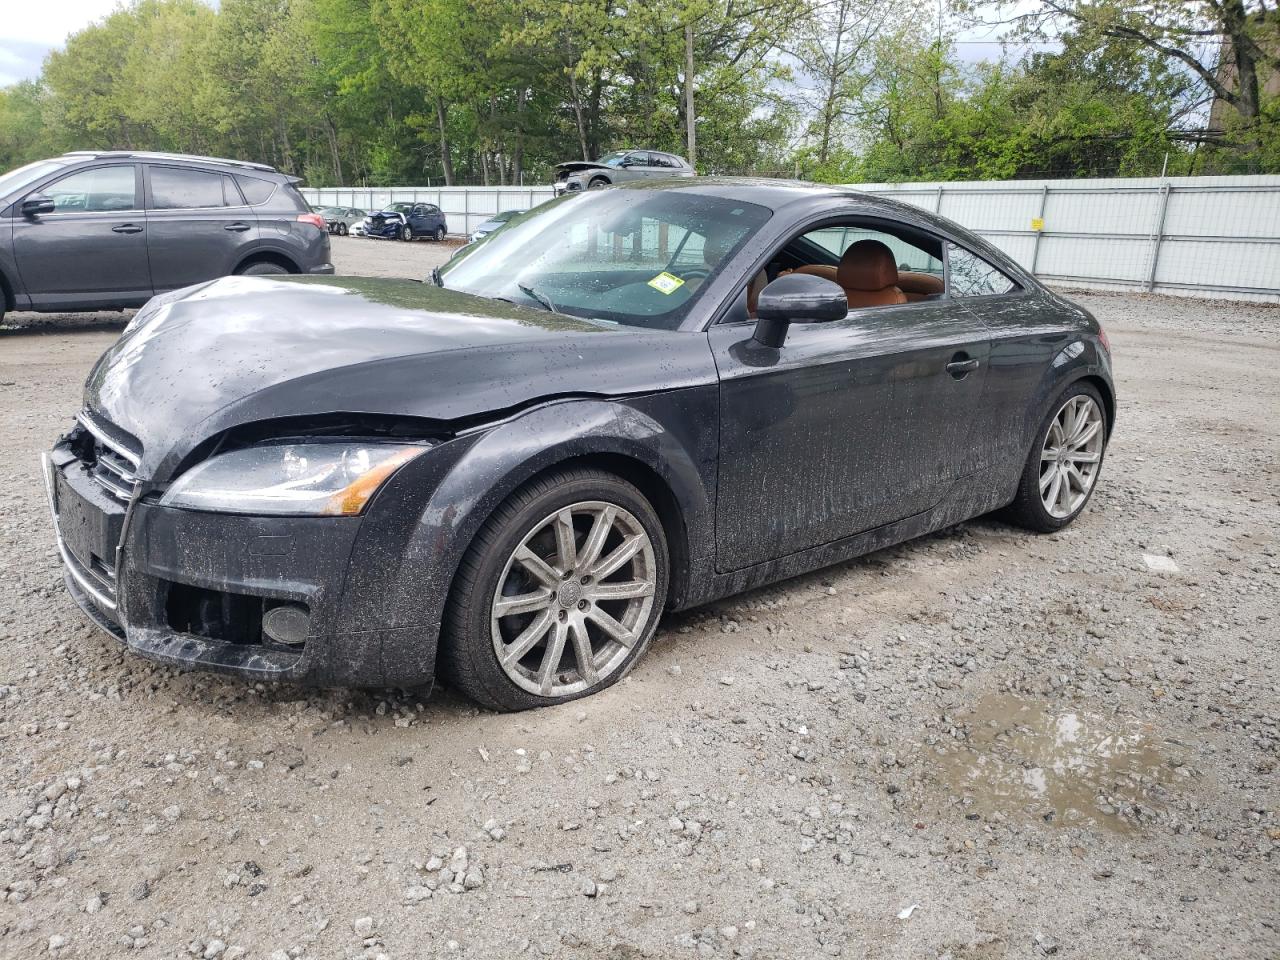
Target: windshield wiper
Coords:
[(533, 294)]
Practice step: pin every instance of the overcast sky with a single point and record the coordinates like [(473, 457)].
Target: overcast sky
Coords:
[(29, 30)]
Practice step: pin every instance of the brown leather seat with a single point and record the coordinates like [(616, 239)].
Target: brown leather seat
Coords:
[(919, 286), (868, 273)]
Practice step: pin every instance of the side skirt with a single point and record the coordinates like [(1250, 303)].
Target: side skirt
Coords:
[(971, 497)]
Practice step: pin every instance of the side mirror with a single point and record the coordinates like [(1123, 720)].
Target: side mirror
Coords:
[(796, 298), (37, 204)]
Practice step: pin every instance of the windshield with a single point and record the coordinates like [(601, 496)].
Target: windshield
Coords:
[(398, 208), (615, 158), (330, 211), (635, 257), (15, 179)]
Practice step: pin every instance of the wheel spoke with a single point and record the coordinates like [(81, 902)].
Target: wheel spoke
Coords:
[(1086, 433), (623, 590), (582, 652), (1054, 488), (548, 576), (1049, 453), (595, 541), (1055, 436), (1082, 457), (1046, 478), (621, 554), (523, 603), (612, 627), (551, 658), (566, 542), (531, 635)]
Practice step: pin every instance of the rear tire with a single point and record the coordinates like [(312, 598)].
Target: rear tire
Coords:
[(263, 268), (578, 626), (1065, 461)]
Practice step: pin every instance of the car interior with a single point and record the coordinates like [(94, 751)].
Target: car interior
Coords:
[(876, 263)]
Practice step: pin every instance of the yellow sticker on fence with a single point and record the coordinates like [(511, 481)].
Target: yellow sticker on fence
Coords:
[(1037, 223), (666, 283)]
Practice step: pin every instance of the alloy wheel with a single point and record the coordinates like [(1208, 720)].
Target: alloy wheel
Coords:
[(574, 599), (1071, 456)]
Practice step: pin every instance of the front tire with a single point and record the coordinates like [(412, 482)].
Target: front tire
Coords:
[(1062, 469), (343, 229), (439, 234), (406, 233), (598, 183), (558, 595)]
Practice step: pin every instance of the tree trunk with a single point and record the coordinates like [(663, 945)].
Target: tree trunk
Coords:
[(333, 149), (577, 114), (593, 117), (690, 120), (446, 152), (517, 154)]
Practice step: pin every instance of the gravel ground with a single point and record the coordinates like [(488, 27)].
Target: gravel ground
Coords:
[(980, 744)]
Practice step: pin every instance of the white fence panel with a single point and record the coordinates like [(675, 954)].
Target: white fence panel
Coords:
[(1197, 236)]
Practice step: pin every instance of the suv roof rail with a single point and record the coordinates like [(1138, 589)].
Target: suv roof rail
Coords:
[(148, 155)]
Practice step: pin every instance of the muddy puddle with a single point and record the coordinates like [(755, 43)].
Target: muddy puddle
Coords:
[(1057, 763)]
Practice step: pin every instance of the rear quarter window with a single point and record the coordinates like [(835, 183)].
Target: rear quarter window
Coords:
[(255, 189)]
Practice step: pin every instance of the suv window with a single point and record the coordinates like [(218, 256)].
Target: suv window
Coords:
[(971, 276), (99, 189), (173, 188), (255, 189)]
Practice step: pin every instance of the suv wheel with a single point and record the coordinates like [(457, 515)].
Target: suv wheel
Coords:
[(558, 595), (439, 234), (263, 268), (598, 183), (406, 233)]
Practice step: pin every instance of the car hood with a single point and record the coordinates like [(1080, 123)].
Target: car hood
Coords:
[(573, 166), (247, 349)]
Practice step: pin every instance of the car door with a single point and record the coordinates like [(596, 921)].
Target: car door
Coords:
[(848, 426), (199, 226), (91, 251)]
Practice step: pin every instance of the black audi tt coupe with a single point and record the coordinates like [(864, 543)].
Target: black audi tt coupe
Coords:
[(626, 401)]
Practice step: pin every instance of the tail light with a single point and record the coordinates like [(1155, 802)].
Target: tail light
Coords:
[(1106, 344), (314, 219)]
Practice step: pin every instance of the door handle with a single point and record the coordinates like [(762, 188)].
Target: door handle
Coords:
[(962, 368), (237, 227), (127, 228)]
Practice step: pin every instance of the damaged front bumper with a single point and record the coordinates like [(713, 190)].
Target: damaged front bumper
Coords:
[(192, 588)]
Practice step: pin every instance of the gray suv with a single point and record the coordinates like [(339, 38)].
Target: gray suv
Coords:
[(107, 230)]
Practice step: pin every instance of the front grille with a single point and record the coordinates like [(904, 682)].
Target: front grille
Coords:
[(113, 466)]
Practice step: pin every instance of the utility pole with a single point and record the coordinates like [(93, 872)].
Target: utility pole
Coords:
[(691, 134)]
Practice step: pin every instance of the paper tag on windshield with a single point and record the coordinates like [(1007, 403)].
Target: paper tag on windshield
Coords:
[(666, 283)]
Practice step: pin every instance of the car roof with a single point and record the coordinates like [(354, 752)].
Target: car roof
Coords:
[(185, 157), (774, 194)]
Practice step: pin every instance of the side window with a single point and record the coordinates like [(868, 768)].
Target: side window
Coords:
[(908, 257), (638, 159), (971, 276), (99, 190), (173, 188), (432, 209), (230, 192), (256, 190)]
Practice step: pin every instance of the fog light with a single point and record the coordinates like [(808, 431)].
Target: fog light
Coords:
[(288, 624)]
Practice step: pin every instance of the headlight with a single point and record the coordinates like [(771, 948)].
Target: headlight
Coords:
[(291, 479)]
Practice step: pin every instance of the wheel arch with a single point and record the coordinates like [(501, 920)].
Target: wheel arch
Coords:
[(8, 298), (468, 478)]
